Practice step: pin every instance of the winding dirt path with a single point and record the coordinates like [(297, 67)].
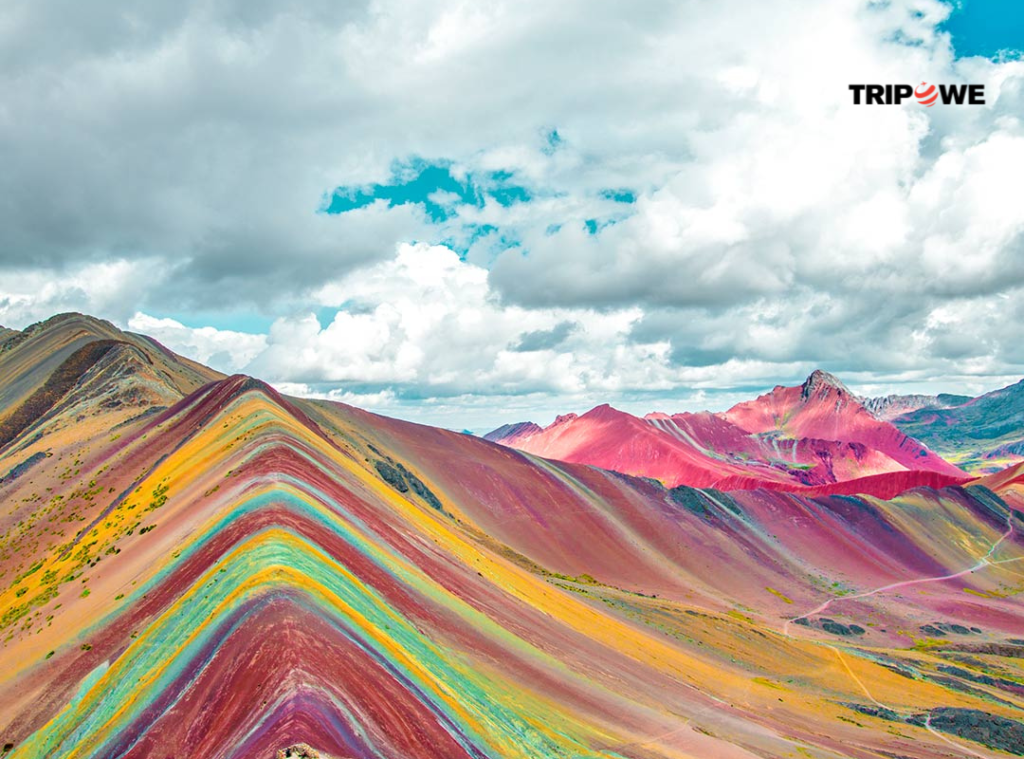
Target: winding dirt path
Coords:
[(984, 561)]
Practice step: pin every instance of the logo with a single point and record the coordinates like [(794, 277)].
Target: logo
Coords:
[(926, 94)]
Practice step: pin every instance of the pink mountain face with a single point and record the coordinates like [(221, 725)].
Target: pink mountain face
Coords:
[(612, 439), (823, 408), (815, 435)]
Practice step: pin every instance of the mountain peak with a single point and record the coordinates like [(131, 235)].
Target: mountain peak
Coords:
[(820, 379), (606, 412), (510, 432), (70, 317)]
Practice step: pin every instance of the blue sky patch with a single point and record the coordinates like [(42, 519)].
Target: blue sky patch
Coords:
[(233, 320), (987, 28), (425, 183), (552, 142), (619, 196), (469, 234), (415, 182), (509, 194), (476, 231)]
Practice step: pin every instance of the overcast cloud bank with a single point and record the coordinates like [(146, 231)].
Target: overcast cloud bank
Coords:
[(460, 210)]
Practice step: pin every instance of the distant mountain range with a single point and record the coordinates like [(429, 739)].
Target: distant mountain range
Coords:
[(88, 365), (891, 407), (981, 435), (194, 565), (817, 436)]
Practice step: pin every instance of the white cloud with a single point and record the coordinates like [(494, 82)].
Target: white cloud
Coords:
[(106, 288), (384, 400), (225, 350), (429, 320), (176, 157)]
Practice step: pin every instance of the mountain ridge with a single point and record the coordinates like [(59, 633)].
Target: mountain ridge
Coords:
[(889, 407), (986, 432), (241, 571), (816, 434)]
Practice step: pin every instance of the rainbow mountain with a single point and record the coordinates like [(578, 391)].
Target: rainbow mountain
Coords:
[(195, 565)]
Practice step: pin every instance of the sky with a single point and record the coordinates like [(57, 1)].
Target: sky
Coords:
[(472, 213)]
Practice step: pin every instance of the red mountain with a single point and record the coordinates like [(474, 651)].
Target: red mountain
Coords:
[(815, 435), (822, 407), (657, 447)]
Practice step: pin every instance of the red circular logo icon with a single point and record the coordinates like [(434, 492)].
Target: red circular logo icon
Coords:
[(926, 94)]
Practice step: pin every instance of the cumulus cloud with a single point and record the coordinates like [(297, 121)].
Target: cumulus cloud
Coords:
[(657, 198), (428, 322), (107, 288), (384, 400), (226, 350)]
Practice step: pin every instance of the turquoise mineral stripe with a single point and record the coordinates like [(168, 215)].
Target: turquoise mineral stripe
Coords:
[(81, 722)]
